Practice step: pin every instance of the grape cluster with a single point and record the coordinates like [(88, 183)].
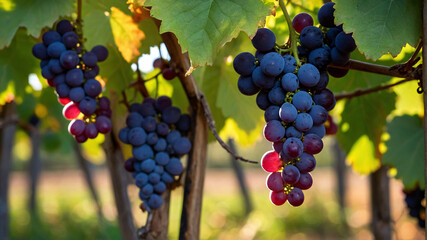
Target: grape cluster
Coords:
[(295, 99), (157, 132), (72, 72), (168, 72), (415, 201)]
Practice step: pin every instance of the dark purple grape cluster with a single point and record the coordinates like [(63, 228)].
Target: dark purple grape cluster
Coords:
[(157, 132), (168, 72), (415, 201), (296, 102), (72, 71)]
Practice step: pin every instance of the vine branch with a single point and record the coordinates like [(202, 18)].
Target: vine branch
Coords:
[(359, 92), (212, 127), (293, 35)]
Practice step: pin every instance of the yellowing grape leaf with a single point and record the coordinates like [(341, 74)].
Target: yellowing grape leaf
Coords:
[(126, 34), (203, 27)]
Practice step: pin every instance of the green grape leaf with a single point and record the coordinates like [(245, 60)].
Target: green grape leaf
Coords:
[(203, 27), (152, 36), (405, 149), (31, 14), (362, 123), (380, 26), (16, 64), (115, 71)]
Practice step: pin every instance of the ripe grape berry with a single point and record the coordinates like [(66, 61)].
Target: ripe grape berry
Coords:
[(157, 131), (295, 99)]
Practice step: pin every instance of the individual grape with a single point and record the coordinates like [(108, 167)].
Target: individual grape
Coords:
[(276, 95), (162, 158), (302, 52), (55, 66), (246, 86), (171, 115), (303, 122), (44, 62), (141, 179), (62, 90), (55, 49), (262, 100), (182, 146), (290, 174), (63, 101), (76, 127), (339, 58), (76, 94), (103, 124), (147, 189), (302, 101), (46, 73), (160, 187), (71, 111), (143, 152), (123, 135), (69, 59), (337, 72), (168, 73), (155, 201), (154, 178), (275, 182), (330, 127), (302, 20), (259, 55), (272, 64), (160, 63), (296, 197), (148, 165), (345, 42), (70, 40), (64, 26), (50, 82), (90, 59), (308, 75), (101, 52), (80, 138), (159, 169), (319, 130), (277, 147), (137, 136), (261, 80), (278, 198), (311, 37), (92, 88), (325, 98), (174, 166), (272, 113), (39, 51), (50, 37), (271, 162), (88, 106), (306, 163), (147, 109), (323, 81), (290, 63), (274, 131), (264, 40), (134, 120), (167, 178), (74, 77), (92, 73), (91, 131), (331, 34), (152, 138), (128, 165), (288, 113), (293, 147), (162, 129), (290, 82), (149, 124), (184, 123), (318, 114), (162, 103), (312, 144), (104, 103), (326, 15), (244, 63), (293, 132), (320, 57)]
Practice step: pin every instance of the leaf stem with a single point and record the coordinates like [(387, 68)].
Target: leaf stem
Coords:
[(292, 32)]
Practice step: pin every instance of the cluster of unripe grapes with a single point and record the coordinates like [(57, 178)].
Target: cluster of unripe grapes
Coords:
[(295, 99), (72, 71), (168, 72), (157, 132)]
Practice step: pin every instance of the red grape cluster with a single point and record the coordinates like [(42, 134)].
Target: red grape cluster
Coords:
[(168, 72), (157, 132), (295, 99), (72, 71)]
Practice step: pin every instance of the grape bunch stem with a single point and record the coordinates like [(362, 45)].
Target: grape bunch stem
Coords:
[(292, 32)]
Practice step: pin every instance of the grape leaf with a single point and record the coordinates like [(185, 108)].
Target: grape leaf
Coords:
[(380, 26), (202, 27), (115, 70), (152, 36), (31, 14), (405, 149), (365, 116), (17, 62)]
